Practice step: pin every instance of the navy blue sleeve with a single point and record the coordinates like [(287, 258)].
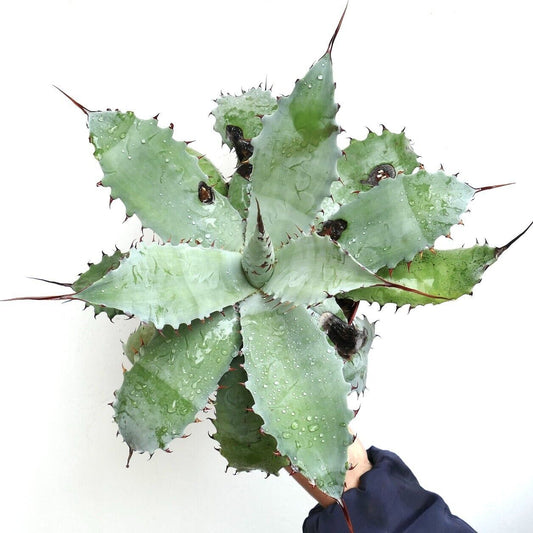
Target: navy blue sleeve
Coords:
[(389, 500)]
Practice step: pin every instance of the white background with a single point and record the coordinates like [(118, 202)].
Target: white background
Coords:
[(449, 386)]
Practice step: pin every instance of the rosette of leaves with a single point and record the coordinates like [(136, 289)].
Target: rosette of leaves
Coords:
[(240, 297)]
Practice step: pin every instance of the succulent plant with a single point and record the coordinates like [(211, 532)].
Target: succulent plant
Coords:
[(248, 295)]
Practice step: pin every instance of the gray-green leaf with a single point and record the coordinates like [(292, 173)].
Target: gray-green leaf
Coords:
[(172, 380), (157, 179), (171, 284), (299, 389)]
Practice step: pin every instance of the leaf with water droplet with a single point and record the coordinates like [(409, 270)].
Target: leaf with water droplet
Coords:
[(139, 338), (96, 272), (167, 284), (296, 155), (156, 401), (244, 111), (311, 267), (396, 230), (158, 181), (239, 433), (359, 160), (444, 274), (314, 386)]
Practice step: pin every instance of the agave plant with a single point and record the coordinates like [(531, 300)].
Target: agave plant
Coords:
[(248, 294)]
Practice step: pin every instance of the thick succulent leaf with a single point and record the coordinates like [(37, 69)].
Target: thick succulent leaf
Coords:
[(244, 111), (172, 380), (239, 194), (214, 178), (171, 284), (97, 271), (158, 180), (297, 382), (355, 369), (258, 257), (401, 216), (361, 157), (242, 442), (447, 274), (139, 338), (294, 161), (310, 267)]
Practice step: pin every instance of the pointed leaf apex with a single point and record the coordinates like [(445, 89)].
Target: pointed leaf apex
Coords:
[(76, 103), (260, 225), (337, 29), (488, 187), (499, 251)]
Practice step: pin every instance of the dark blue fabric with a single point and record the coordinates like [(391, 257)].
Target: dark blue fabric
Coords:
[(389, 500)]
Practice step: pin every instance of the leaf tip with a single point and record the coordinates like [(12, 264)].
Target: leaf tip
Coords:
[(499, 251), (75, 102), (336, 32)]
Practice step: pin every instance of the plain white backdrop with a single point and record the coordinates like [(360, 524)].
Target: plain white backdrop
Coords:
[(449, 385)]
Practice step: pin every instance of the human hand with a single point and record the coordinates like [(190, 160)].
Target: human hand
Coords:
[(388, 498), (359, 464)]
